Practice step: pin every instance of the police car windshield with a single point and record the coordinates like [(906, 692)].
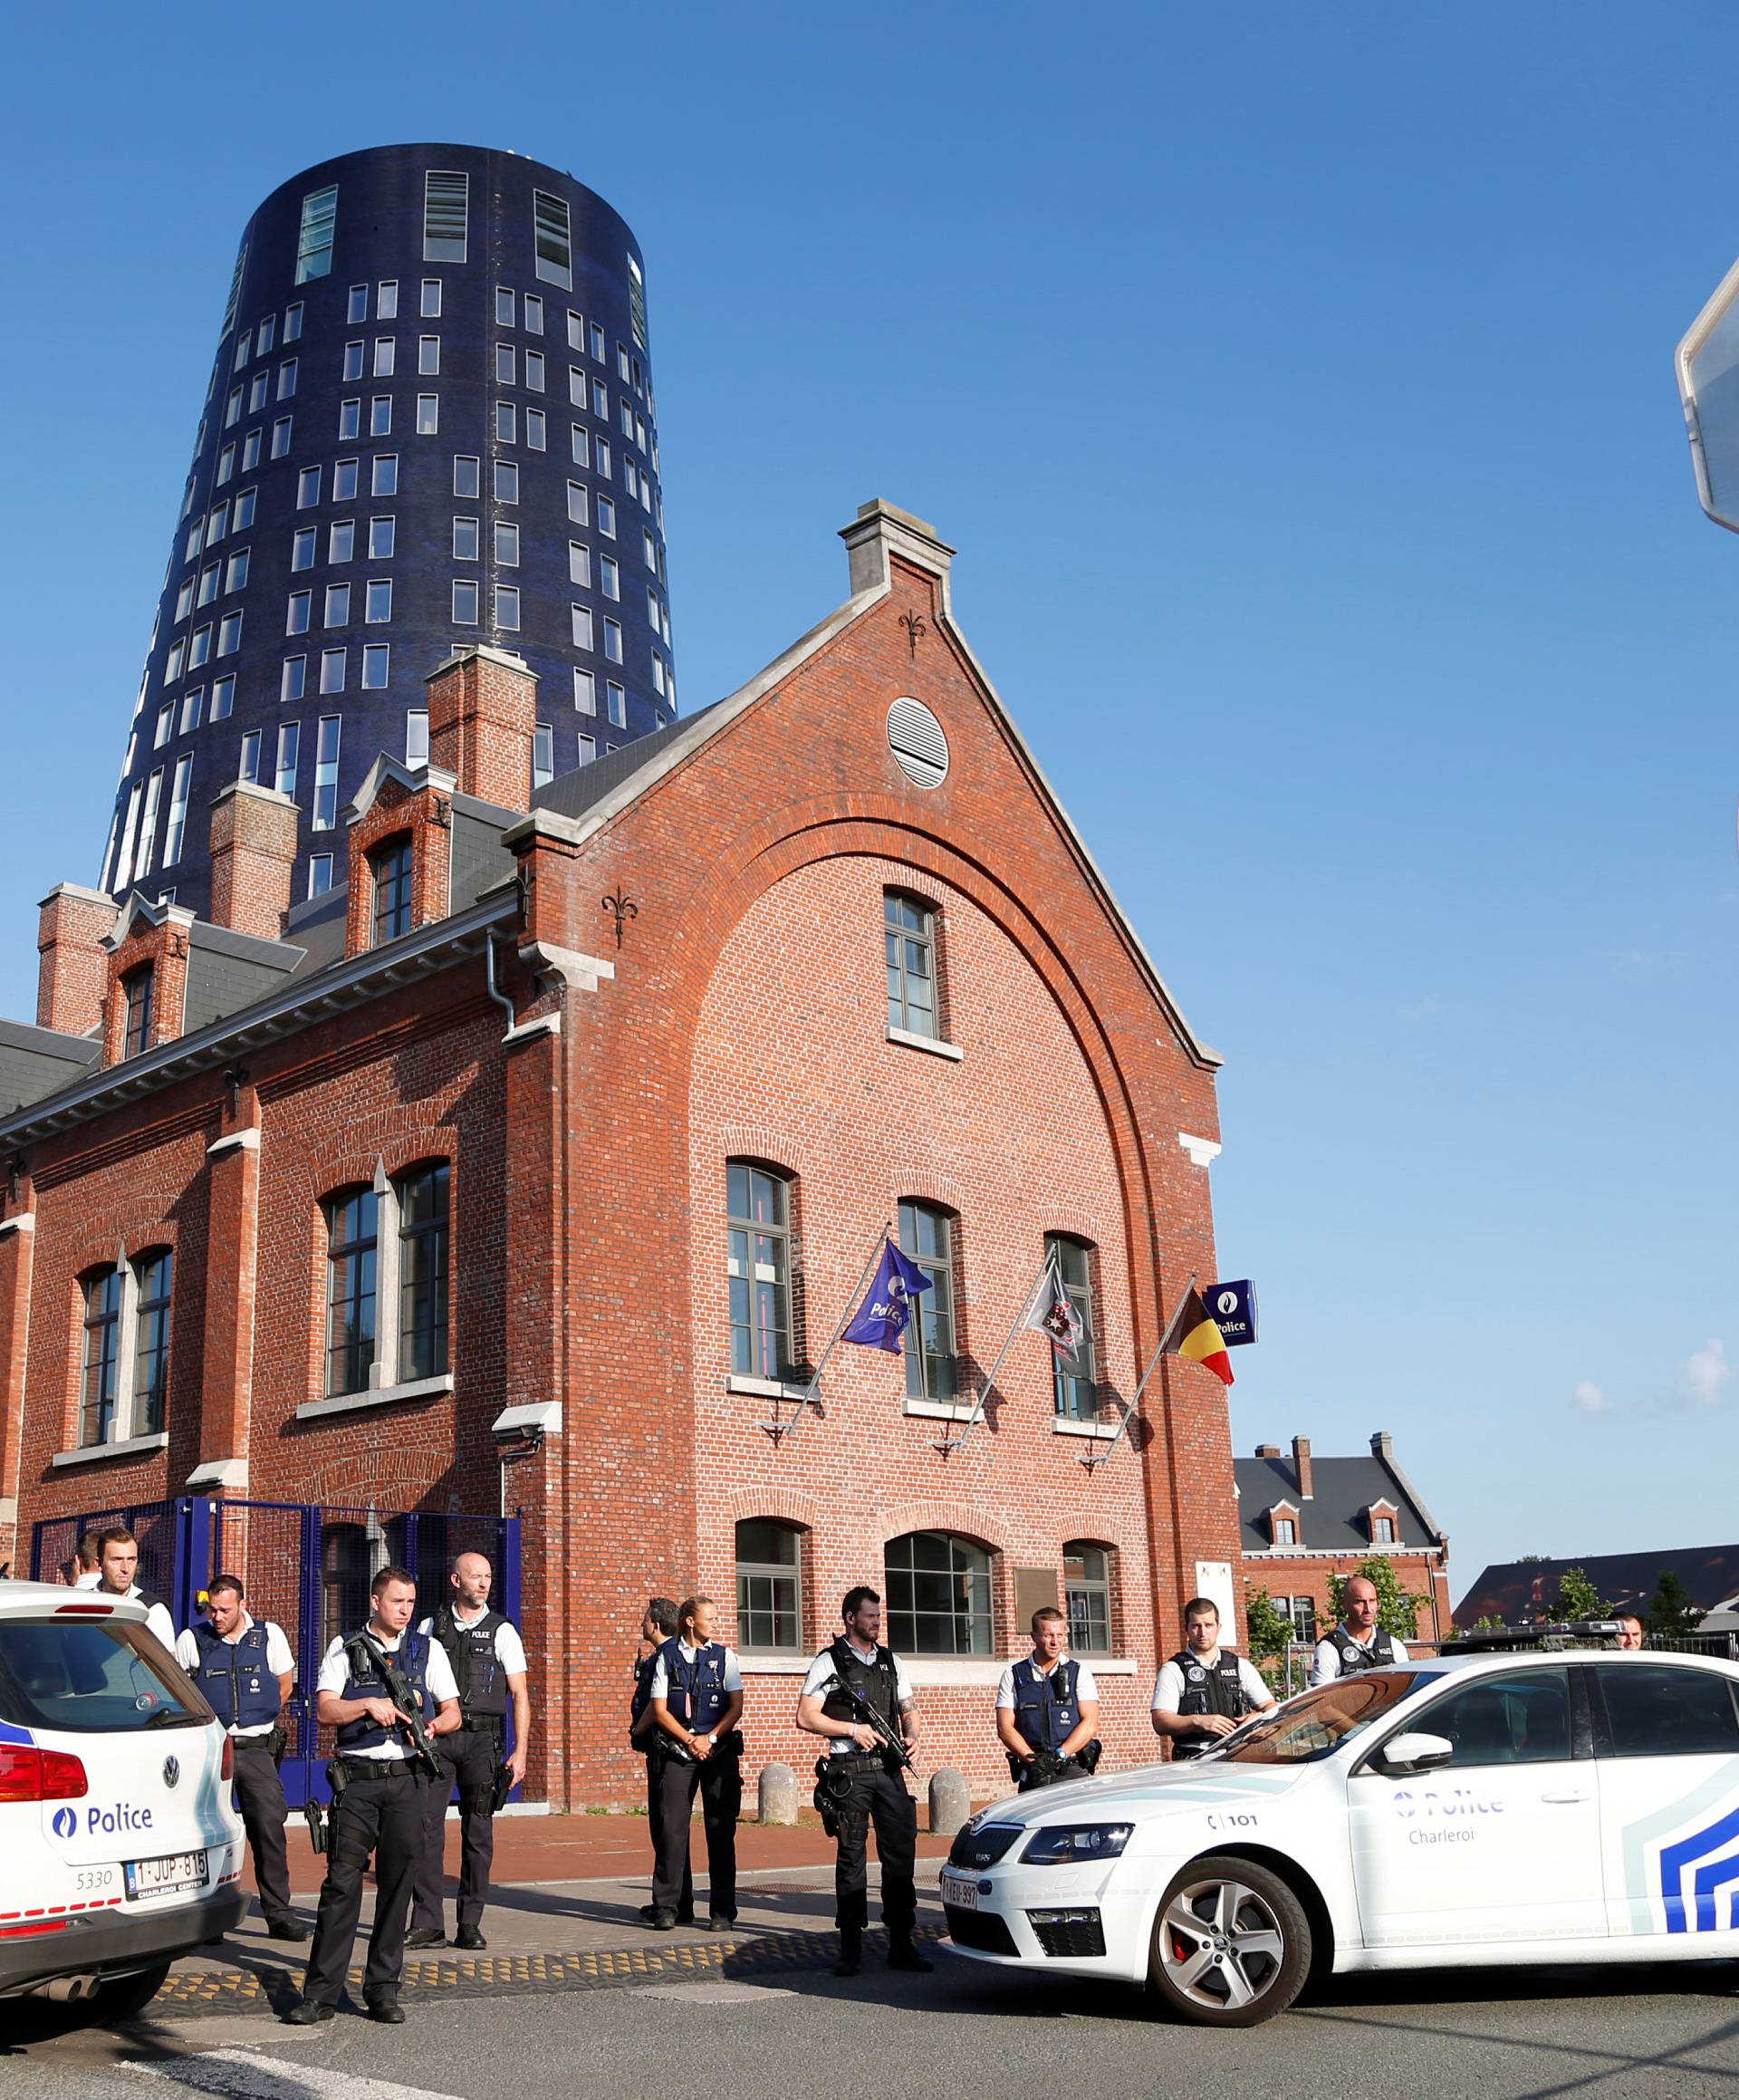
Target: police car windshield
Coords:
[(1318, 1722), (92, 1677)]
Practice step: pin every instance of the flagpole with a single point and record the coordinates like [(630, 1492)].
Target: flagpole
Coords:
[(949, 1445), (1098, 1457), (778, 1429)]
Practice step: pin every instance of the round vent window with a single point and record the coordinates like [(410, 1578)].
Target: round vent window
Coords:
[(914, 737)]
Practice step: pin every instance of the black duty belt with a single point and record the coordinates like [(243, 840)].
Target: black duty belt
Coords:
[(380, 1768), (862, 1760), (480, 1724)]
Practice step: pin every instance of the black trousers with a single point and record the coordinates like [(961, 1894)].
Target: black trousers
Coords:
[(259, 1795), (382, 1818), (468, 1761), (877, 1797), (719, 1780), (685, 1903)]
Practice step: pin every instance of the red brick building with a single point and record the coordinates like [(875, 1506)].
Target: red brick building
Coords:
[(599, 1096), (1307, 1519)]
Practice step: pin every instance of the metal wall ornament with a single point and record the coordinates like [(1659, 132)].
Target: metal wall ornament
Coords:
[(916, 626), (624, 908)]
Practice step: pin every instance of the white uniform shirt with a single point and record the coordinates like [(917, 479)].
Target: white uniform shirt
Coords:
[(279, 1660), (1086, 1686), (732, 1678), (335, 1674), (157, 1619), (90, 1581), (1168, 1687), (510, 1650), (1325, 1666), (824, 1668)]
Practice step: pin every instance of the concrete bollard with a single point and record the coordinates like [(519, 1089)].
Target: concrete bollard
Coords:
[(950, 1802), (777, 1795)]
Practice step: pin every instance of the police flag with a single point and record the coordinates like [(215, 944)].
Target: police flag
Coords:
[(880, 1323), (1057, 1317)]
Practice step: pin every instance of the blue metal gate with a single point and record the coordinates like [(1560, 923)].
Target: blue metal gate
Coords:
[(305, 1565)]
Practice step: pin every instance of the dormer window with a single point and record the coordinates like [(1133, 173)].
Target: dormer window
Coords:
[(1381, 1517), (139, 989), (1282, 1524), (390, 866)]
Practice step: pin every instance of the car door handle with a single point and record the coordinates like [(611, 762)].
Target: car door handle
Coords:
[(1557, 1799)]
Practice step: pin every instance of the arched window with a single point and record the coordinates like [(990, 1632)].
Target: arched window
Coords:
[(1076, 1393), (352, 1248), (422, 1271), (939, 1595), (1087, 1592), (101, 1356), (153, 1277), (909, 934), (926, 1235), (769, 1586), (390, 866), (758, 1263)]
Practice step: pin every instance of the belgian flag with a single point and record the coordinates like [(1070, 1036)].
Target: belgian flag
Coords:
[(1199, 1338)]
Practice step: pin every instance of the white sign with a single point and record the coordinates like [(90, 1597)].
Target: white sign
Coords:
[(1214, 1581)]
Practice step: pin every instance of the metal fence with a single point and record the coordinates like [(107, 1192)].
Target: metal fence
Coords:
[(304, 1566)]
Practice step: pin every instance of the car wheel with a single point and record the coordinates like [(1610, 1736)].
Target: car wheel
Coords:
[(1231, 1944), (125, 1997)]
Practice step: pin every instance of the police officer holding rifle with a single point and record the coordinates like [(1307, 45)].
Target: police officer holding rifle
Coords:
[(858, 1696), (388, 1692)]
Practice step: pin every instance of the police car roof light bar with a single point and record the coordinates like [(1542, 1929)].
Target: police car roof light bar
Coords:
[(1097, 1456), (778, 1430), (1555, 1633)]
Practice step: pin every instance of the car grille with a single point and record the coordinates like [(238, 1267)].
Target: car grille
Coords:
[(983, 1846), (1068, 1933), (983, 1930)]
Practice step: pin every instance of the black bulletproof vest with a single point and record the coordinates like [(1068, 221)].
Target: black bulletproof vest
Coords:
[(877, 1683), (642, 1686), (1353, 1658), (476, 1668), (1209, 1687)]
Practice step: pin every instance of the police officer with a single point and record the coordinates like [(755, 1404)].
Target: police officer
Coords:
[(1205, 1691), (488, 1659), (86, 1565), (118, 1557), (379, 1809), (697, 1696), (1358, 1642), (1629, 1630), (658, 1623), (245, 1668), (1047, 1708), (874, 1789)]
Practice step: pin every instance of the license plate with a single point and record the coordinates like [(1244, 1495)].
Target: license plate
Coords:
[(158, 1877), (963, 1895)]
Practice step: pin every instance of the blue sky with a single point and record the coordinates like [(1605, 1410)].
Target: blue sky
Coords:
[(1298, 391)]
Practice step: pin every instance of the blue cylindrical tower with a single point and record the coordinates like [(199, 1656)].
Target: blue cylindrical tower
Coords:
[(430, 421)]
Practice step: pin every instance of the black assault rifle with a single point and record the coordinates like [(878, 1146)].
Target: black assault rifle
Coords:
[(407, 1706), (889, 1737)]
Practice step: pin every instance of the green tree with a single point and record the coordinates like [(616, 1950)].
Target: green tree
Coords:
[(1398, 1609), (1270, 1630), (1576, 1597), (1671, 1610)]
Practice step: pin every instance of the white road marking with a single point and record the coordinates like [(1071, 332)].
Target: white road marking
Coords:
[(242, 2074)]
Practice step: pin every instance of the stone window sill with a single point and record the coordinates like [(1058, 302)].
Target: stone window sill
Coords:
[(124, 1447), (942, 1409), (933, 1044), (1067, 1426), (379, 1396), (764, 1388)]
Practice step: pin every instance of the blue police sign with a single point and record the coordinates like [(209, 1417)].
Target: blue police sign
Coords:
[(1232, 1307)]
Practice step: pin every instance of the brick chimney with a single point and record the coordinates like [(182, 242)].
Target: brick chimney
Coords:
[(481, 720), (1301, 1467), (252, 858), (1382, 1447), (1267, 1450), (74, 973)]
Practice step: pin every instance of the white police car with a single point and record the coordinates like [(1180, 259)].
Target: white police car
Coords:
[(1578, 1806), (121, 1848)]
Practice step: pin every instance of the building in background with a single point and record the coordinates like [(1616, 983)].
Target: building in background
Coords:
[(1517, 1591), (429, 423), (1307, 1519)]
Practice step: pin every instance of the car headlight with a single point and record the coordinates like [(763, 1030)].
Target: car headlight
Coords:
[(1076, 1843)]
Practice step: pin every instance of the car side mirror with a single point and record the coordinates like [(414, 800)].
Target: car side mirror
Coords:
[(1414, 1752)]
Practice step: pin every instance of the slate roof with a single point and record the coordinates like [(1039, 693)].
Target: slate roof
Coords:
[(1512, 1590), (573, 794), (34, 1062), (1333, 1520)]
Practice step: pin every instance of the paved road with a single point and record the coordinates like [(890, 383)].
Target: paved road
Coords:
[(1586, 2035)]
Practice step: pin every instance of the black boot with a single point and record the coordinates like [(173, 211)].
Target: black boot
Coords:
[(850, 1951), (902, 1954)]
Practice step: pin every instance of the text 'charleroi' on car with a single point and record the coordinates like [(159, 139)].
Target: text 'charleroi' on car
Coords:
[(121, 1848), (1468, 1812)]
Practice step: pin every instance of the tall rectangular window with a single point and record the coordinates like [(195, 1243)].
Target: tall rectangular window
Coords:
[(281, 433), (422, 1272), (534, 370), (223, 697), (357, 308), (386, 355), (464, 603), (446, 207), (100, 1358), (428, 355), (585, 691), (390, 867), (338, 604), (582, 445), (178, 791), (165, 724), (578, 510), (466, 545), (352, 1252), (378, 601), (308, 488), (326, 773), (552, 238), (258, 393), (236, 572), (296, 618), (138, 988), (613, 641), (925, 1236), (244, 508), (377, 659), (354, 357), (226, 468), (382, 534), (506, 607), (536, 426), (248, 766), (607, 517), (320, 874), (385, 299), (415, 737), (250, 451), (576, 330), (302, 546), (757, 1263), (506, 310), (910, 936), (506, 481), (636, 304), (292, 322), (314, 240), (289, 750), (609, 576), (292, 679), (340, 539), (193, 703), (542, 754), (385, 475), (616, 702), (506, 364), (333, 670), (147, 823), (588, 749), (466, 474), (507, 546), (344, 479), (233, 408), (381, 416), (286, 379), (506, 423), (580, 618), (229, 634), (597, 337), (267, 333), (431, 305), (579, 565), (1075, 1392), (600, 402)]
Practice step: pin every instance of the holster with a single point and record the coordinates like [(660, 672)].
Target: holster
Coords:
[(499, 1791), (832, 1794)]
